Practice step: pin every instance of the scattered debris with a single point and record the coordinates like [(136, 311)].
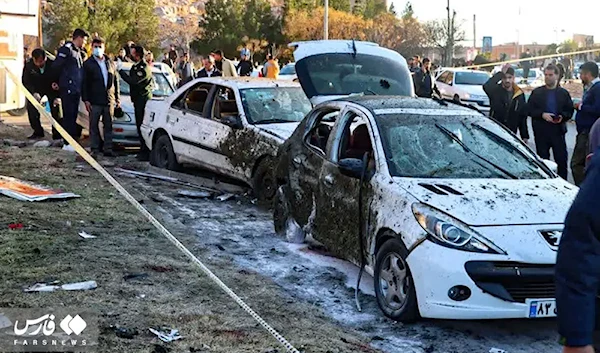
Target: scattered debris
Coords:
[(129, 173), (225, 197), (43, 143), (86, 235), (201, 349), (497, 350), (195, 194), (220, 247), (25, 191), (142, 296), (13, 226), (160, 349), (157, 198), (377, 338), (135, 276), (127, 333), (14, 143), (4, 321), (167, 335), (161, 269), (52, 286)]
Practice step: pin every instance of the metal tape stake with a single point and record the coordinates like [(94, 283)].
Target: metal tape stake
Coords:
[(164, 231)]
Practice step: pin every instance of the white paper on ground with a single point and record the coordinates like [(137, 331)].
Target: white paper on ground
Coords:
[(86, 235), (80, 285), (167, 337)]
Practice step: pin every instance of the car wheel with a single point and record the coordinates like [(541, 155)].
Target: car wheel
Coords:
[(17, 112), (263, 182), (163, 155), (394, 285), (456, 98)]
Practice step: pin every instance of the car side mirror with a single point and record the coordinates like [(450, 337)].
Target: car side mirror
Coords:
[(551, 165), (351, 167), (233, 121)]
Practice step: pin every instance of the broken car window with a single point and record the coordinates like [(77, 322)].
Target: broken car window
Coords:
[(161, 86), (344, 74), (321, 130), (274, 104), (415, 146)]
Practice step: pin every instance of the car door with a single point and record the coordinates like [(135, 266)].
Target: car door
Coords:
[(185, 121), (307, 155), (337, 219), (443, 85)]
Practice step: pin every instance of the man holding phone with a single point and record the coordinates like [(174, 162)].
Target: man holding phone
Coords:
[(550, 107)]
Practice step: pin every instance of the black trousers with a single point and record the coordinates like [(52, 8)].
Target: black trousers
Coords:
[(578, 159), (70, 105), (544, 142), (139, 106), (34, 120)]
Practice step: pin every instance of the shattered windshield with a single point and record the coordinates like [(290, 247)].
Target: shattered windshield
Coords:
[(274, 104), (345, 74), (461, 147)]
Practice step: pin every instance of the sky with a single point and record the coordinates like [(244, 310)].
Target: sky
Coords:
[(541, 21)]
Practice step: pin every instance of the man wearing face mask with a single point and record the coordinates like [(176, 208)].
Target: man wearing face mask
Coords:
[(100, 95), (140, 84), (588, 111), (507, 101), (67, 74)]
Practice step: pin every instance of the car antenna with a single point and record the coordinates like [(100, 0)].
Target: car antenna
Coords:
[(365, 163), (353, 49)]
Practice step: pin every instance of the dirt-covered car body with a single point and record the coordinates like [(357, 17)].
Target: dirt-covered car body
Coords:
[(460, 219), (231, 126)]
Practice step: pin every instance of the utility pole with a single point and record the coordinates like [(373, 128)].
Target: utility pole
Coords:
[(40, 35), (326, 21), (474, 32), (449, 41)]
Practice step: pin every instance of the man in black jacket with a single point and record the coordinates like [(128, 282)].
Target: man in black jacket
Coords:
[(550, 107), (424, 81), (100, 95), (210, 69), (507, 101)]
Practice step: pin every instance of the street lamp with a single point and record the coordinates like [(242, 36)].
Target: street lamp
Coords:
[(326, 20)]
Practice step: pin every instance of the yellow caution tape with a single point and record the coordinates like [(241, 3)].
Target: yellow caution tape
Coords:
[(164, 231), (530, 59)]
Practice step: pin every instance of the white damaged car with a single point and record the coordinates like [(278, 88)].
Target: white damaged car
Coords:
[(231, 126), (451, 213)]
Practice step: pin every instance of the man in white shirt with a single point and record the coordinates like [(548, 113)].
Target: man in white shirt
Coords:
[(209, 70)]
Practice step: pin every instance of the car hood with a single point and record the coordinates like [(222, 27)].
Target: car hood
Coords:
[(281, 130), (473, 90), (495, 202)]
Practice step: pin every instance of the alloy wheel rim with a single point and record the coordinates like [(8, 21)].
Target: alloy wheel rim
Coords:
[(394, 282)]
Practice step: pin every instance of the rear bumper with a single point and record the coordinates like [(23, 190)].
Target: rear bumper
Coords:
[(125, 134)]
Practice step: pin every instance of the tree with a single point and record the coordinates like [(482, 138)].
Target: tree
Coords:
[(438, 36), (568, 46), (308, 25), (180, 31), (392, 10), (385, 30), (226, 23), (411, 33), (114, 20), (550, 49)]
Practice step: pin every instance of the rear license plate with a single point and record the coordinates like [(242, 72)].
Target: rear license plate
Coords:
[(541, 308)]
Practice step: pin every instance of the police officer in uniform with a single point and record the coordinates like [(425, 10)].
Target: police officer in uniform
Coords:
[(140, 83), (68, 80)]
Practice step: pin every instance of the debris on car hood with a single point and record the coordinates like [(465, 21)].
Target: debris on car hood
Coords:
[(486, 202)]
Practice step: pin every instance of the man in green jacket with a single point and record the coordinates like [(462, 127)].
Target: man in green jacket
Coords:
[(140, 83)]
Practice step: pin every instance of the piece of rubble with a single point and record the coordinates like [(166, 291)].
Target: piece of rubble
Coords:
[(53, 286), (497, 350), (167, 335), (195, 194), (14, 143), (4, 321), (42, 143), (127, 333), (225, 197), (86, 235)]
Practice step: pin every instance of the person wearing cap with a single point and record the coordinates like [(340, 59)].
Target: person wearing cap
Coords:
[(100, 95), (245, 66), (67, 74)]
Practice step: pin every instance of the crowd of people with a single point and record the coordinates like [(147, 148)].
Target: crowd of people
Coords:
[(83, 71)]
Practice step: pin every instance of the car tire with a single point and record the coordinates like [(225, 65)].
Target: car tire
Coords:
[(162, 155), (264, 183), (456, 98), (401, 303)]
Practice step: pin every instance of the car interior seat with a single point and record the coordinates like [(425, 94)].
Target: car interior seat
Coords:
[(196, 99), (360, 142)]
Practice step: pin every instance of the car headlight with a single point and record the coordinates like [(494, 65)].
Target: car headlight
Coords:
[(126, 118), (466, 96), (447, 231)]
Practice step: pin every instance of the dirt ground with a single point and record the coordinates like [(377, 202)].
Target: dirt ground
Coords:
[(174, 294)]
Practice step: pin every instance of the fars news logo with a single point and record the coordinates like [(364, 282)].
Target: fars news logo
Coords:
[(43, 332)]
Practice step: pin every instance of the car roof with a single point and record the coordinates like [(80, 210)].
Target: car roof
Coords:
[(374, 103), (155, 70), (461, 70), (248, 82)]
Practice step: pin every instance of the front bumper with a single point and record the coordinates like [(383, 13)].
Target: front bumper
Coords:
[(498, 290)]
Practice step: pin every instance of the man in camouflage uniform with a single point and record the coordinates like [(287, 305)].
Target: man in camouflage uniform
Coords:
[(141, 83)]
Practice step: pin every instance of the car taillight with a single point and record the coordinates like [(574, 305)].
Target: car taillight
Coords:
[(118, 129)]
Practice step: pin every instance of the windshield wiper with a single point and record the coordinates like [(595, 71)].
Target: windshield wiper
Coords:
[(462, 144), (529, 158), (273, 121)]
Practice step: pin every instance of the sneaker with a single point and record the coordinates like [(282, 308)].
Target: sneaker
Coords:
[(68, 148)]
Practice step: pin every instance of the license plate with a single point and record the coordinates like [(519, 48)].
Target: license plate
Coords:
[(541, 308)]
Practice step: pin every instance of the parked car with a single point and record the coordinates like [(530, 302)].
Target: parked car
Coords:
[(465, 86), (535, 79), (124, 129), (167, 71), (461, 220), (231, 126), (288, 72)]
